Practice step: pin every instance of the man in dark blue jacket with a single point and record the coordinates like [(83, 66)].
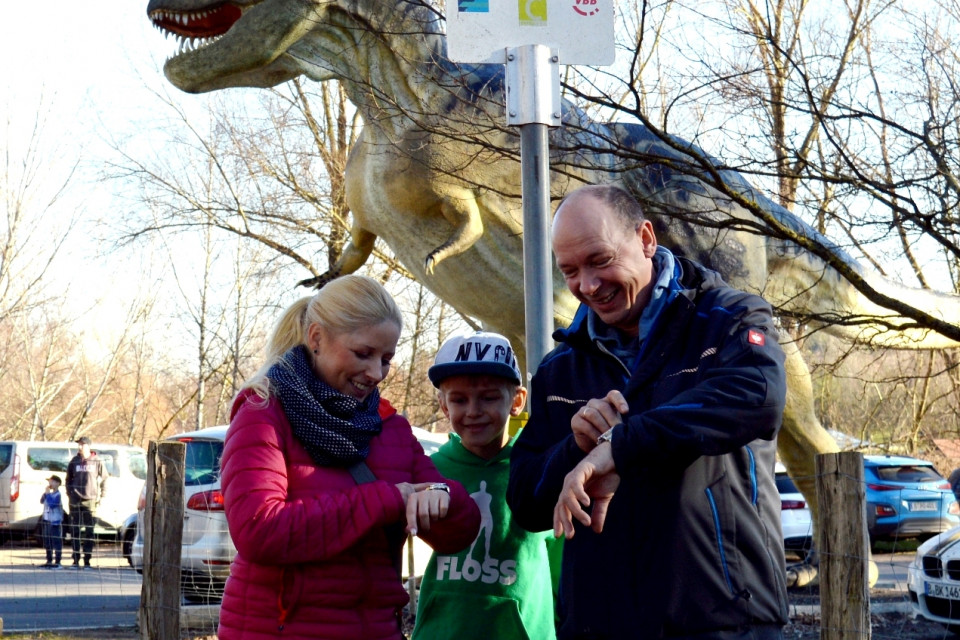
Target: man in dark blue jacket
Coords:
[(652, 439)]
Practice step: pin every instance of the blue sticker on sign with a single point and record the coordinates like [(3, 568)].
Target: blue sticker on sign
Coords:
[(473, 6)]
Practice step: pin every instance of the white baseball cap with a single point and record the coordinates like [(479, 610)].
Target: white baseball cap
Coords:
[(479, 353)]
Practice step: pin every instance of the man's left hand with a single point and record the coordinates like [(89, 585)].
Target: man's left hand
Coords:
[(594, 480)]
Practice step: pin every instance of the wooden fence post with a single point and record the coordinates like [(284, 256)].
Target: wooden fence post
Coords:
[(162, 538), (844, 547)]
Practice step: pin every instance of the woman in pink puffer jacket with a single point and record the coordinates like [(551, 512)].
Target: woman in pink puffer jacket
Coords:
[(316, 542)]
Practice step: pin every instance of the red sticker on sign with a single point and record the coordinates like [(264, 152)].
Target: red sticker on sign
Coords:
[(756, 337)]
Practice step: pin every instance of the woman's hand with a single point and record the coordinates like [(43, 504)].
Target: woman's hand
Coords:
[(425, 506), (406, 490)]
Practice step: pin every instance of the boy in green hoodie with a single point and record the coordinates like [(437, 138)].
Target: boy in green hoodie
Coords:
[(500, 586)]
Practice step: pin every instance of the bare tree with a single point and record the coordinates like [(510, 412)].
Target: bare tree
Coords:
[(33, 228)]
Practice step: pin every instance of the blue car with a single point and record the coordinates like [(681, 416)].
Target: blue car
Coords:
[(907, 498)]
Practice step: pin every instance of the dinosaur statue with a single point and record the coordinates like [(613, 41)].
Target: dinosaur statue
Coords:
[(436, 174)]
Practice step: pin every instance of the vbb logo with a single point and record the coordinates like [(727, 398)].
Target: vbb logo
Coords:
[(586, 7)]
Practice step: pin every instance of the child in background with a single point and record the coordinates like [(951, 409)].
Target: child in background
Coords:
[(500, 586), (51, 523)]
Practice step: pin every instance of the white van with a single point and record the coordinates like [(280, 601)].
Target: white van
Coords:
[(25, 467)]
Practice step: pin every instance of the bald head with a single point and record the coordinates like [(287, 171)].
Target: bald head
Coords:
[(604, 249)]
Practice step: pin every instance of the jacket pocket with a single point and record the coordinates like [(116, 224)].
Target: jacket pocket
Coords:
[(490, 617)]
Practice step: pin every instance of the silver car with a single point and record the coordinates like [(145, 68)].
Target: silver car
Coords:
[(207, 548)]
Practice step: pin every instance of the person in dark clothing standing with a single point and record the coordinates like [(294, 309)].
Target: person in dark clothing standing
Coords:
[(652, 438), (86, 486)]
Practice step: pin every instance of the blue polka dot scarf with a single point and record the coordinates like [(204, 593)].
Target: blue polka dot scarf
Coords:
[(335, 429)]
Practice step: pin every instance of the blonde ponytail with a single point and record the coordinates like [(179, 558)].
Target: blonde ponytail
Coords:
[(344, 305)]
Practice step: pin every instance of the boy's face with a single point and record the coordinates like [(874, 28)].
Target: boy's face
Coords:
[(479, 408)]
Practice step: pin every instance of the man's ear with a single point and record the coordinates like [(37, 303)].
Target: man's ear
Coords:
[(519, 401), (648, 239)]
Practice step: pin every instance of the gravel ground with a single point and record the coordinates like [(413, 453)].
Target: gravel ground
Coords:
[(899, 624), (884, 626)]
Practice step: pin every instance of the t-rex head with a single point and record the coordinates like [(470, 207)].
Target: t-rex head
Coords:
[(240, 43)]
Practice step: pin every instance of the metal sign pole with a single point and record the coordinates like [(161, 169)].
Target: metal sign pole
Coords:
[(527, 37), (533, 104)]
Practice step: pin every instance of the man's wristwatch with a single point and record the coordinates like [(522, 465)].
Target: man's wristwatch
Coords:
[(607, 435), (438, 486)]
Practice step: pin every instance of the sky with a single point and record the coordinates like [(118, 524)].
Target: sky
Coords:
[(90, 71), (94, 68)]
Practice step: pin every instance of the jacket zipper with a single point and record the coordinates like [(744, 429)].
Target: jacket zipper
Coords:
[(720, 549)]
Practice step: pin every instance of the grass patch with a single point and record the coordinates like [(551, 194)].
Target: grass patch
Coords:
[(895, 546)]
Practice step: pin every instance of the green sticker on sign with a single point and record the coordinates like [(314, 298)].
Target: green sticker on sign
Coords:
[(533, 12)]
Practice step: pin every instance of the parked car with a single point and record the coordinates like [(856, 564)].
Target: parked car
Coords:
[(127, 535), (933, 580), (907, 498), (207, 548), (26, 465), (795, 519)]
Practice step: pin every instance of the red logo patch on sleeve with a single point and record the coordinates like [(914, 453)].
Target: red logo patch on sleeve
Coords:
[(756, 337)]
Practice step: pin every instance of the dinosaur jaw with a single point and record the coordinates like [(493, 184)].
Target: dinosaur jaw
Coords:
[(201, 24), (224, 44)]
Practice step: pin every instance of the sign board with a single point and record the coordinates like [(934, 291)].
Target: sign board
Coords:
[(480, 31)]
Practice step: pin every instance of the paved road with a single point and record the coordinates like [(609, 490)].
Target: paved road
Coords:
[(893, 570), (34, 599)]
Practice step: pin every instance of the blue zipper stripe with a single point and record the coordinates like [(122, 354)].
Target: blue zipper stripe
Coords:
[(706, 314), (716, 526), (753, 476)]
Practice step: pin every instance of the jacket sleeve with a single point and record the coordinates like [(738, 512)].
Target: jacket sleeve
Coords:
[(268, 528), (542, 456), (69, 480), (462, 523), (738, 398)]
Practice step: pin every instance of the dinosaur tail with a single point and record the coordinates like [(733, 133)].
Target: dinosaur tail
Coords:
[(802, 284)]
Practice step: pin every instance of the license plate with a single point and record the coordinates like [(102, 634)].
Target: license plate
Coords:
[(938, 590), (926, 505)]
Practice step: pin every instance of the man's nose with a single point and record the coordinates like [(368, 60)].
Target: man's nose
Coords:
[(589, 283)]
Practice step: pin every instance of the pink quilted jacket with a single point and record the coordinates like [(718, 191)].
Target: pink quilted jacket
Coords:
[(313, 559)]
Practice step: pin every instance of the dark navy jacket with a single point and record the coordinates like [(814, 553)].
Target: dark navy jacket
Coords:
[(692, 544)]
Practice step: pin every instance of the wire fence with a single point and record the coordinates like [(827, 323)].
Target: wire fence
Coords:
[(183, 586)]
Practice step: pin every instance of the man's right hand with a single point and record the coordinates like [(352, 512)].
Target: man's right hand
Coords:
[(593, 481), (596, 417)]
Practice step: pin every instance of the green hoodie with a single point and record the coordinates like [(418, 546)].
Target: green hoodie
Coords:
[(498, 587)]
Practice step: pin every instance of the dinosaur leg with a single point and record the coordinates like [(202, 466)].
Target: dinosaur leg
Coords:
[(802, 436), (354, 255), (464, 214), (801, 439)]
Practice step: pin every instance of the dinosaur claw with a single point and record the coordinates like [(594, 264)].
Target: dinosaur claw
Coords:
[(429, 264), (318, 282)]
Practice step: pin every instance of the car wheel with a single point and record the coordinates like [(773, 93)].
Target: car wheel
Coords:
[(127, 544)]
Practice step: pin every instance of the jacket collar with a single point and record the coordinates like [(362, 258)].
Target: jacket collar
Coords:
[(695, 278)]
